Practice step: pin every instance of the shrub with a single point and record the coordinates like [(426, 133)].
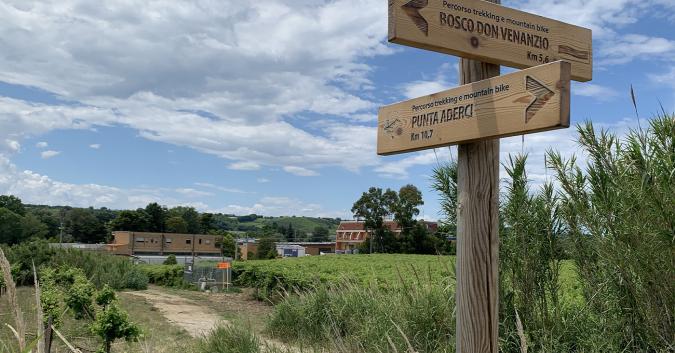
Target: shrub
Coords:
[(164, 275), (79, 297), (171, 260), (113, 323), (105, 296)]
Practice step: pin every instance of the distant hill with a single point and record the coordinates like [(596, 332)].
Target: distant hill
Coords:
[(303, 224)]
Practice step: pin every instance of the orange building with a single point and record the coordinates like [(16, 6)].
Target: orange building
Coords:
[(143, 243), (351, 234)]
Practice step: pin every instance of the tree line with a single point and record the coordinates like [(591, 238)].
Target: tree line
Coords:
[(20, 222), (375, 206)]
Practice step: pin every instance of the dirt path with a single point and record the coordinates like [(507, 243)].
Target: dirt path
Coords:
[(196, 319)]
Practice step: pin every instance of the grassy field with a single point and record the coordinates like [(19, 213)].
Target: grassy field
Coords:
[(382, 270)]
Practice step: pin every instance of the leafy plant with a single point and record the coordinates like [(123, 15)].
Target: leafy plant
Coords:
[(170, 260), (79, 297), (113, 323)]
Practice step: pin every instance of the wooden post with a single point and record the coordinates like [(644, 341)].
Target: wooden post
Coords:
[(478, 233)]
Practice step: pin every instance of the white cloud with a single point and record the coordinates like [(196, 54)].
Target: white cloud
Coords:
[(263, 180), (220, 188), (282, 206), (244, 166), (224, 79), (49, 154), (193, 193), (627, 48), (667, 78), (601, 93), (300, 171), (400, 169), (425, 87), (606, 18), (12, 145), (41, 144), (95, 146)]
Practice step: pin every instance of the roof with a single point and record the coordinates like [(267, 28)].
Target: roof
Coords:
[(307, 243), (392, 225)]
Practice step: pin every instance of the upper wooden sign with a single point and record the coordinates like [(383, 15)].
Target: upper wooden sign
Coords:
[(488, 32), (526, 101)]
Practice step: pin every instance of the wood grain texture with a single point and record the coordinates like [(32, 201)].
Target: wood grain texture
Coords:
[(523, 102), (477, 293), (484, 31)]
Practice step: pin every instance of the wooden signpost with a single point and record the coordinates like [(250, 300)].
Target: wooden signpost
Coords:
[(480, 30), (527, 101), (475, 116)]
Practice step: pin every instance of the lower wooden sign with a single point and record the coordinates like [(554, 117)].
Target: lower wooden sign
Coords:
[(523, 102)]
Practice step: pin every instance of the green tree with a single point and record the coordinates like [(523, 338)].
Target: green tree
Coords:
[(320, 234), (206, 222), (289, 233), (405, 207), (373, 206), (13, 204), (134, 221), (11, 230), (191, 217), (171, 260), (84, 227), (176, 224), (157, 216), (266, 248), (50, 218), (32, 227), (228, 245)]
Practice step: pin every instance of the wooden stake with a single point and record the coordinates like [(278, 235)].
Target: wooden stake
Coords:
[(478, 233)]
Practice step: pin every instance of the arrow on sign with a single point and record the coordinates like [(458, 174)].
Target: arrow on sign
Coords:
[(412, 9), (541, 94)]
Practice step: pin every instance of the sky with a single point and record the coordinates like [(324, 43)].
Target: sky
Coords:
[(266, 106)]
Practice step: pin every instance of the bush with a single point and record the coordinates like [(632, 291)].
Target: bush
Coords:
[(171, 260), (113, 323), (79, 297), (164, 275), (101, 268)]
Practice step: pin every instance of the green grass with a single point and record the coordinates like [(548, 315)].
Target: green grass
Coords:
[(381, 270), (158, 335), (385, 271)]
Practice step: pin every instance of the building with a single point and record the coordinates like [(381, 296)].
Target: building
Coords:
[(248, 248), (351, 234), (299, 249), (142, 243)]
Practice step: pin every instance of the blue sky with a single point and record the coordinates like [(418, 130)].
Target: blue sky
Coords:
[(267, 106)]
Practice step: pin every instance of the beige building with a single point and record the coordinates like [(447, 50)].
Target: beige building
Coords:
[(143, 243)]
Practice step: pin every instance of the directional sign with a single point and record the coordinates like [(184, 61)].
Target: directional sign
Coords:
[(488, 32), (522, 102)]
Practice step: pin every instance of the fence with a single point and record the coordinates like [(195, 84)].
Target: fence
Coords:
[(209, 276)]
